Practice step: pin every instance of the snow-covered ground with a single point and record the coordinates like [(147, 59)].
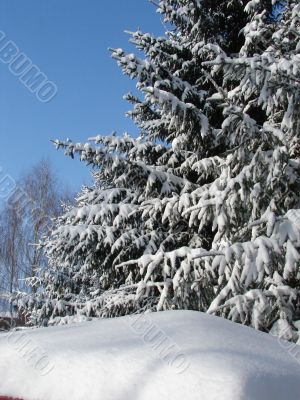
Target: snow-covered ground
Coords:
[(168, 355)]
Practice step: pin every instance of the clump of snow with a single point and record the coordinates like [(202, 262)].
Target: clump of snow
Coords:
[(166, 355)]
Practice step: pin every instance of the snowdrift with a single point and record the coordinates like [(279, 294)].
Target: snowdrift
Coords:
[(168, 355)]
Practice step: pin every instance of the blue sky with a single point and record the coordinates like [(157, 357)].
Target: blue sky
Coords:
[(68, 41)]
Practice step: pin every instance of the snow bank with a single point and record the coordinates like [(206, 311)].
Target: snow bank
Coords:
[(168, 355)]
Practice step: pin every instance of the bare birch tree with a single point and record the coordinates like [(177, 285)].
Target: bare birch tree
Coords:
[(25, 218)]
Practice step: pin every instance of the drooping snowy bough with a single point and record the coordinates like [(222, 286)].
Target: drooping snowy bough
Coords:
[(201, 211)]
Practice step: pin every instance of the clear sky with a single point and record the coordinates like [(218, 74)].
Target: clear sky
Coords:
[(68, 41)]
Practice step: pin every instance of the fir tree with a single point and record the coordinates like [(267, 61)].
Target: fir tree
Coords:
[(202, 210)]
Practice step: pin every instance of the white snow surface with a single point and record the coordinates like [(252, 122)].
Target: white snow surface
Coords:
[(115, 359)]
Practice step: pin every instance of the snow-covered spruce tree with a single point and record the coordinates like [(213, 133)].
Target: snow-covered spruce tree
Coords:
[(205, 212), (248, 173), (83, 263), (250, 192)]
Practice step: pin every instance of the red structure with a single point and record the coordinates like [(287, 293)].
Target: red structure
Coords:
[(8, 398)]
